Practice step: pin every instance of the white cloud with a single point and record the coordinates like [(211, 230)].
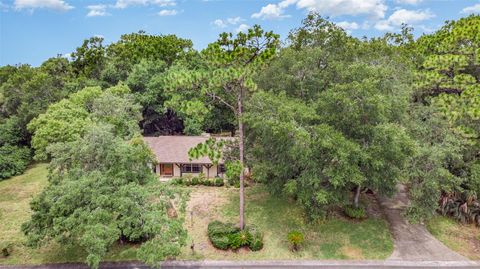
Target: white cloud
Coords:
[(348, 25), (400, 16), (229, 21), (472, 9), (242, 28), (97, 11), (167, 12), (383, 25), (372, 8), (127, 3), (270, 11), (59, 5), (409, 2), (220, 23)]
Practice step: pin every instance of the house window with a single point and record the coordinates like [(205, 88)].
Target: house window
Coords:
[(221, 168), (191, 168)]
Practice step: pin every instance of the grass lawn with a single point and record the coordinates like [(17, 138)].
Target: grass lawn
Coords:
[(331, 239), (462, 238), (15, 196)]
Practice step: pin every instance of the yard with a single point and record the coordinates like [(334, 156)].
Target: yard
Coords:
[(336, 238), (462, 238)]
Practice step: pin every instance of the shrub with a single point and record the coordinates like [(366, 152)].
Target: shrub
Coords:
[(195, 181), (220, 241), (218, 181), (240, 239), (219, 228), (355, 212), (256, 243), (295, 238), (200, 180), (227, 235), (13, 160)]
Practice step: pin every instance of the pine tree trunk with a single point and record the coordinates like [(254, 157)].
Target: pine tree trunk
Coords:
[(240, 146), (357, 197)]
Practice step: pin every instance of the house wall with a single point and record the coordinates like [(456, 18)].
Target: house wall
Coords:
[(176, 171)]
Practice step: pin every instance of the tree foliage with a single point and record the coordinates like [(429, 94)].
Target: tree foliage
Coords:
[(101, 191), (68, 119)]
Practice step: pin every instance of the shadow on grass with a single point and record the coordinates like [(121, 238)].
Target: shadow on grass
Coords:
[(333, 238)]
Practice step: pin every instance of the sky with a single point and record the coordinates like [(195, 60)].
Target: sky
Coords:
[(32, 31)]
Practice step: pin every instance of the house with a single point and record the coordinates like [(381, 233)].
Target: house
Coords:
[(172, 157)]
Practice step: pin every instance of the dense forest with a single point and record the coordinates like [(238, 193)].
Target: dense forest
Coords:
[(322, 116)]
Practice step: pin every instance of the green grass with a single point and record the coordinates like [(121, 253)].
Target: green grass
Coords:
[(15, 196), (462, 238), (335, 238)]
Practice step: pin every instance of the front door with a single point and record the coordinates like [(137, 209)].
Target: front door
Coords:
[(166, 169)]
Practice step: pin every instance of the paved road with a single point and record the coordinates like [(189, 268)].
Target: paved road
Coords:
[(272, 264), (413, 241)]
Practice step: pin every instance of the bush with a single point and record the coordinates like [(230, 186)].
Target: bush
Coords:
[(200, 180), (219, 228), (256, 243), (195, 181), (13, 160), (220, 241), (295, 238), (218, 182), (227, 235), (355, 212), (240, 239)]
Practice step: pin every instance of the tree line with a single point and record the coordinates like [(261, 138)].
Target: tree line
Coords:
[(320, 118)]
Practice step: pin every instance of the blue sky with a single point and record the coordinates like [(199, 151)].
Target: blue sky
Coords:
[(32, 31)]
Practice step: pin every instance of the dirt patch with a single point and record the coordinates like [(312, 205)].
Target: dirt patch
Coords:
[(203, 207), (352, 252)]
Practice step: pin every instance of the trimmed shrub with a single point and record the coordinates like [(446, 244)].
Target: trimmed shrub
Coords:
[(219, 228), (200, 180), (355, 212), (227, 235), (295, 238), (220, 241)]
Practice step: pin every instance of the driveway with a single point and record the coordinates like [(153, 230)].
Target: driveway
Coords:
[(413, 241)]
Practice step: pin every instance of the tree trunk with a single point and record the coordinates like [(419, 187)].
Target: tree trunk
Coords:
[(357, 197), (240, 146)]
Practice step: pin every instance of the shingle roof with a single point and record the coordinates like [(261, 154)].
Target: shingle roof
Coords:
[(174, 149)]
